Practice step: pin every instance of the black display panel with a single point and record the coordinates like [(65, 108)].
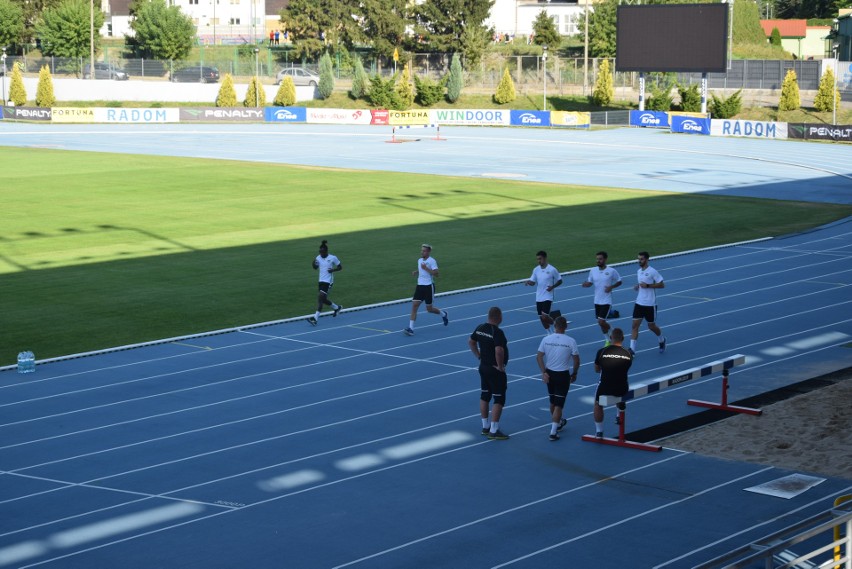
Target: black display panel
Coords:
[(672, 37)]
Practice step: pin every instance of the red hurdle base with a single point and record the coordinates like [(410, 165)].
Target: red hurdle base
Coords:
[(723, 406), (620, 441)]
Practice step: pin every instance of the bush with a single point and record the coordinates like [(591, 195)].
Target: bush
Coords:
[(360, 81), (286, 94), (690, 98), (382, 93), (227, 96), (17, 91), (404, 90), (824, 100), (44, 91), (603, 92), (726, 108), (789, 93), (255, 94), (326, 82), (455, 81), (505, 89), (428, 92)]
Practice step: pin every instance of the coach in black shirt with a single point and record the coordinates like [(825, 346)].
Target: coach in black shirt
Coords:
[(488, 344), (612, 362)]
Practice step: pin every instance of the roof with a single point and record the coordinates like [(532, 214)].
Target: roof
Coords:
[(788, 28)]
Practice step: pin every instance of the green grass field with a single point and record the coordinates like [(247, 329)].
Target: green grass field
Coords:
[(101, 250)]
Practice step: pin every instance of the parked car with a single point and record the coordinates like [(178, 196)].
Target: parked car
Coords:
[(299, 75), (105, 71), (196, 74)]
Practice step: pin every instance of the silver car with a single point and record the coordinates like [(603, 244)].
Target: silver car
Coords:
[(299, 75)]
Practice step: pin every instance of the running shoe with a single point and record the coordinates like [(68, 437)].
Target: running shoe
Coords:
[(445, 317), (408, 332), (498, 436), (599, 434), (485, 431), (553, 437), (562, 424), (337, 310), (662, 345), (312, 321), (632, 353)]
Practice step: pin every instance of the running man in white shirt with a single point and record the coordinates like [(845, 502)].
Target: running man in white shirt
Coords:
[(427, 270), (646, 302), (559, 360), (545, 278), (604, 279), (327, 265)]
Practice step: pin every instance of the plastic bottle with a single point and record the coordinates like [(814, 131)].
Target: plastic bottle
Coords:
[(22, 362)]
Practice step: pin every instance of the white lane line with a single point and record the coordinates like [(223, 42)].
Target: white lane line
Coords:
[(292, 480), (429, 444)]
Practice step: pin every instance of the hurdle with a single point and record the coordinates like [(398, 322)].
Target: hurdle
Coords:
[(654, 387), (723, 406), (394, 140)]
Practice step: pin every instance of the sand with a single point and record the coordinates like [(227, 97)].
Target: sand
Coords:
[(810, 433)]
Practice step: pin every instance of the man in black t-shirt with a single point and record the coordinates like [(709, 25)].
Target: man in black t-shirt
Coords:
[(613, 363), (488, 343)]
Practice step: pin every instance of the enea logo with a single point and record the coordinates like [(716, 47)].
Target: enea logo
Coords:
[(285, 115), (649, 119), (529, 118), (690, 125)]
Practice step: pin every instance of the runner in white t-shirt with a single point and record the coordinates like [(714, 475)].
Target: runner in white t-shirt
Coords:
[(545, 278), (427, 270), (327, 265), (646, 301), (605, 280)]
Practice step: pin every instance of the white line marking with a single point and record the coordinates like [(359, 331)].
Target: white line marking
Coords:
[(423, 446), (359, 462), (292, 480), (21, 551)]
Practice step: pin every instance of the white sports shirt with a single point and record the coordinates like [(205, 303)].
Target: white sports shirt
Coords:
[(325, 276), (648, 296), (424, 278), (600, 279), (544, 278), (558, 350)]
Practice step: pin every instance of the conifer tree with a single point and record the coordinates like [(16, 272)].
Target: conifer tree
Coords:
[(823, 100), (404, 89), (286, 94), (455, 83), (44, 91), (17, 92), (505, 89), (255, 94), (360, 81), (789, 93), (326, 82), (227, 96), (603, 92)]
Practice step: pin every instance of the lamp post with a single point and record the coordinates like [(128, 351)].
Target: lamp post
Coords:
[(3, 92), (586, 52), (92, 39), (835, 46), (256, 80), (544, 74)]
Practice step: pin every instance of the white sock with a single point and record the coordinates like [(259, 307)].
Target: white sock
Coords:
[(495, 426), (553, 428), (334, 306), (606, 338), (598, 427), (411, 324), (633, 345), (486, 423), (317, 314)]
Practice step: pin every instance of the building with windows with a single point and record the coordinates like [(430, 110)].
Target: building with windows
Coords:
[(515, 18)]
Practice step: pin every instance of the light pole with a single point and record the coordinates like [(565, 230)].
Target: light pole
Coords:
[(92, 39), (586, 52), (3, 92), (835, 47), (256, 80), (544, 74)]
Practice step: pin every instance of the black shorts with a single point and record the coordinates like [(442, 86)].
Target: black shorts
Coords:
[(325, 287), (543, 307), (424, 293), (613, 390), (493, 383), (602, 311), (648, 313), (558, 386)]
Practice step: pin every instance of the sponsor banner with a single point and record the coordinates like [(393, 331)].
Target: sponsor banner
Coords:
[(117, 115), (654, 119), (338, 116), (570, 118), (224, 114), (379, 116), (529, 118), (480, 117), (839, 132), (26, 113), (286, 114), (409, 117), (690, 125), (751, 129), (688, 114), (72, 114)]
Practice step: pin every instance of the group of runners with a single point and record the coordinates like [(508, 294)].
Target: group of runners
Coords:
[(558, 356)]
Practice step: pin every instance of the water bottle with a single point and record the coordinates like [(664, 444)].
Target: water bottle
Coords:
[(30, 362), (22, 362)]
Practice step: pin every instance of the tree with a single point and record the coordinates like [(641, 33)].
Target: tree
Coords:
[(823, 101), (603, 92), (789, 93), (775, 37), (11, 23), (326, 82), (286, 94), (726, 108), (660, 88), (227, 96), (383, 23), (360, 81), (64, 29), (160, 31), (382, 93), (32, 11), (449, 25), (255, 94), (602, 29), (690, 98), (505, 89), (545, 31), (44, 90), (314, 25), (455, 82), (404, 89), (428, 92), (17, 92)]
